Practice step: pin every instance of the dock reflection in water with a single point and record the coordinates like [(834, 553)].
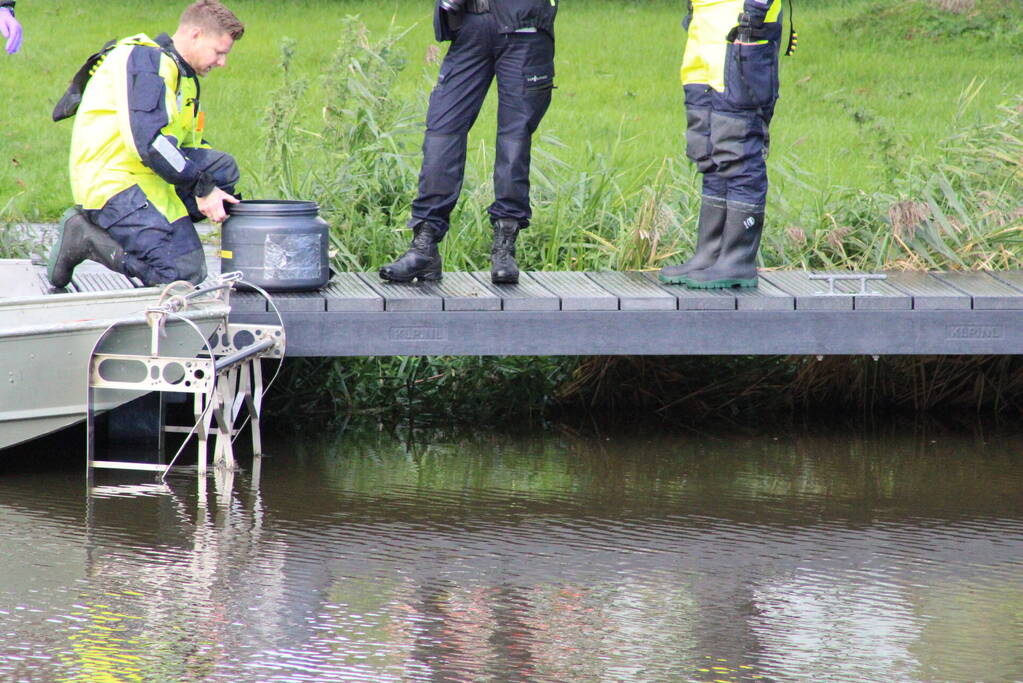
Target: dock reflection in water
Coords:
[(552, 558)]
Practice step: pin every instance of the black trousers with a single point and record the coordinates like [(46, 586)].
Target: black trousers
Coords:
[(524, 66)]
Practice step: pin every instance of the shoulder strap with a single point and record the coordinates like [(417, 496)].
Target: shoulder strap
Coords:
[(183, 72), (68, 104), (793, 36), (72, 97)]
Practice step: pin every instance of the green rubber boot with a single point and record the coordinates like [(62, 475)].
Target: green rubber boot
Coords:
[(79, 239), (708, 242), (736, 265)]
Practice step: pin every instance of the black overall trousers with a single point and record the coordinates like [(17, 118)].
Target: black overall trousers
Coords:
[(483, 47)]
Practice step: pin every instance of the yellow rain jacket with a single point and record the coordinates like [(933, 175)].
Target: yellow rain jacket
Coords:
[(138, 116)]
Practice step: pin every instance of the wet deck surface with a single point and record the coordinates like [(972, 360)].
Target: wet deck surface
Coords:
[(555, 313)]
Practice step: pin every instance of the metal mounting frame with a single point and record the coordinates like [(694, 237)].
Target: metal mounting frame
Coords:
[(221, 384), (238, 384)]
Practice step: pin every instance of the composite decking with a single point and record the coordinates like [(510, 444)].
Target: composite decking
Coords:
[(630, 313)]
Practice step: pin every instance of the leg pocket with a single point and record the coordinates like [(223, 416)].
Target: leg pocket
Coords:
[(698, 137), (729, 141), (751, 75), (121, 207), (538, 73), (537, 78)]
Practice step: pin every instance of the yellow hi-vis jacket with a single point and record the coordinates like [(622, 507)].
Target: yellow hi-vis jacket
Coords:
[(706, 47), (138, 116)]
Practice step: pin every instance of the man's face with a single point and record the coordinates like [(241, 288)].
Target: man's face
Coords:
[(208, 51)]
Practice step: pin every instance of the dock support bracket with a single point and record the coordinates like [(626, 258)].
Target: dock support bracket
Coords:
[(223, 378)]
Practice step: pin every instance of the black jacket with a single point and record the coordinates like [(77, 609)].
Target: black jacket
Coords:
[(511, 16)]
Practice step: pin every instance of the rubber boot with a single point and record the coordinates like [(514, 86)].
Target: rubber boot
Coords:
[(708, 242), (79, 239), (503, 268), (736, 266), (421, 261)]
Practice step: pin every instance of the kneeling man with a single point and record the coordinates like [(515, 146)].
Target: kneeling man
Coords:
[(141, 172)]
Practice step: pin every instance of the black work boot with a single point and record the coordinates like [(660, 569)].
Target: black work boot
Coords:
[(708, 242), (421, 261), (503, 268), (736, 266), (79, 239)]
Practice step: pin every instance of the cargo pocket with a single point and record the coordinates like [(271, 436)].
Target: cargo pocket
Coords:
[(538, 74), (539, 81), (537, 77), (729, 136), (123, 209), (698, 137), (751, 75)]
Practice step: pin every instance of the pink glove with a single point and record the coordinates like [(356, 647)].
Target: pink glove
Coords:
[(11, 30)]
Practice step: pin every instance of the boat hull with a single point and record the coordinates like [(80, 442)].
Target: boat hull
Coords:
[(46, 343)]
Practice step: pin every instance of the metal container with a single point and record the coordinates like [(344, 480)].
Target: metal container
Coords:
[(279, 245)]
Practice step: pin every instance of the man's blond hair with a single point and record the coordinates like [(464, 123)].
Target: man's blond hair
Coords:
[(211, 15)]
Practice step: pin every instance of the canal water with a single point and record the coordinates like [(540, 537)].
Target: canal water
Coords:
[(551, 557)]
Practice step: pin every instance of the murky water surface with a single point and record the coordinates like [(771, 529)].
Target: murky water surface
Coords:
[(549, 558)]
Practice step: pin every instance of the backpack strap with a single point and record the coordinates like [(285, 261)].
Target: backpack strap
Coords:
[(72, 97)]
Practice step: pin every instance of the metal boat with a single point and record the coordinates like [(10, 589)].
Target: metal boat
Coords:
[(46, 341)]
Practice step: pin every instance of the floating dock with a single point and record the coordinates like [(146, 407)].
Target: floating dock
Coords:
[(630, 313)]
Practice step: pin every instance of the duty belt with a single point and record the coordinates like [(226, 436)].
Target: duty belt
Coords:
[(477, 6)]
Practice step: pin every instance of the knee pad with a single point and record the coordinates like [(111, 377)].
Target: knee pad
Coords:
[(736, 140), (191, 266)]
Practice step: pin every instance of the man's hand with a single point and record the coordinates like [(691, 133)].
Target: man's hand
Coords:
[(212, 205), (11, 30)]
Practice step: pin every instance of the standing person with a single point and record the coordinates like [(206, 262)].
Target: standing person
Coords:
[(514, 40), (9, 26), (730, 78), (141, 172)]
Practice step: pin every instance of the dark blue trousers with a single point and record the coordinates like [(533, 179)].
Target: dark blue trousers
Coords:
[(523, 64), (727, 132), (157, 250)]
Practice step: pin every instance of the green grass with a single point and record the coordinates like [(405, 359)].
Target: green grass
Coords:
[(617, 66)]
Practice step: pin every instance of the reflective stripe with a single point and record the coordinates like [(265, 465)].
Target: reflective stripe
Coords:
[(169, 152)]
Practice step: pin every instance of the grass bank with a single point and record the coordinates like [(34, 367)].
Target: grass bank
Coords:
[(864, 69)]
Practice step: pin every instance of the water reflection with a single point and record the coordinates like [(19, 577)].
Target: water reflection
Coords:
[(549, 558)]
